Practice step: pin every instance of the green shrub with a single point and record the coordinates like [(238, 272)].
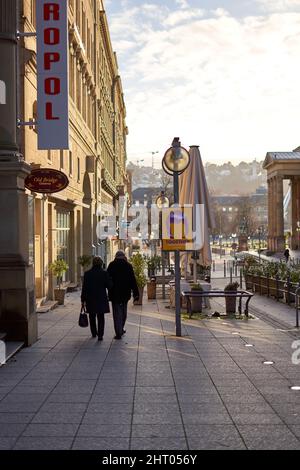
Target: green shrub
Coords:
[(58, 268), (139, 265), (84, 261), (232, 286)]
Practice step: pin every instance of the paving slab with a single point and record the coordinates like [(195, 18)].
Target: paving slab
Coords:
[(151, 390)]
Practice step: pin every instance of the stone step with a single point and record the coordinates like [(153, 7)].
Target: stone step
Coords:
[(40, 302), (72, 287), (11, 348), (49, 305), (2, 336)]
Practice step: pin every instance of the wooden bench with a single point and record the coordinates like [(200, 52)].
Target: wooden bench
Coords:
[(240, 294)]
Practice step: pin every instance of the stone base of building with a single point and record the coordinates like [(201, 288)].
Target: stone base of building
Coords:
[(17, 304)]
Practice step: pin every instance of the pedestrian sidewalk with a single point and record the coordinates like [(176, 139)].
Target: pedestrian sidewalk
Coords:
[(208, 389)]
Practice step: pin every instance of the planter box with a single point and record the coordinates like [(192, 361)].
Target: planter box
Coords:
[(249, 281), (273, 289), (196, 305), (290, 297), (151, 290), (255, 284), (230, 303), (140, 301), (59, 295)]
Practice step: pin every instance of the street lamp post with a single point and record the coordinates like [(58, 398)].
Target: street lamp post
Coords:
[(175, 162), (259, 241), (161, 202), (234, 244)]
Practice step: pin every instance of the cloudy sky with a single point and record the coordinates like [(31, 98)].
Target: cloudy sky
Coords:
[(222, 74)]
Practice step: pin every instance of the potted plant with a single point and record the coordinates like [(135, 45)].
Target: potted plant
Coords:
[(139, 266), (196, 302), (84, 261), (58, 268), (230, 302), (153, 264)]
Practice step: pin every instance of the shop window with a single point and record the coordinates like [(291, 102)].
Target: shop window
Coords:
[(63, 224)]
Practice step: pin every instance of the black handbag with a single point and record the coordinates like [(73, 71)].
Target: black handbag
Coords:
[(83, 321)]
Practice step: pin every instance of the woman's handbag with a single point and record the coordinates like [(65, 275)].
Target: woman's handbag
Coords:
[(83, 321)]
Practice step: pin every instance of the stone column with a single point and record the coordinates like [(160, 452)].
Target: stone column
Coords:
[(271, 221), (280, 240), (270, 205), (17, 296), (295, 235)]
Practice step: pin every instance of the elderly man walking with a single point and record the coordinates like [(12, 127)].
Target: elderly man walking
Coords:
[(96, 283), (124, 284)]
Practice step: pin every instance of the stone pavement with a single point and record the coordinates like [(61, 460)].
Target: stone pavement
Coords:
[(151, 390)]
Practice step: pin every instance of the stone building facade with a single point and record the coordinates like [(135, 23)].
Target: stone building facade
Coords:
[(64, 224)]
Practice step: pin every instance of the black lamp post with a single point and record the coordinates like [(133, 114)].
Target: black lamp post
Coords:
[(175, 162)]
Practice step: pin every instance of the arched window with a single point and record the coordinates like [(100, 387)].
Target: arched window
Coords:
[(2, 92)]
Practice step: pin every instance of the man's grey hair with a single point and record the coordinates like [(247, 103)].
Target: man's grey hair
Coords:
[(97, 261)]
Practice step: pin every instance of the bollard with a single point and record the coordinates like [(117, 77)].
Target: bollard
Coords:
[(224, 268), (236, 269), (214, 266)]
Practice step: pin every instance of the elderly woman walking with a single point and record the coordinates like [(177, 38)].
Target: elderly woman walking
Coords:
[(94, 297)]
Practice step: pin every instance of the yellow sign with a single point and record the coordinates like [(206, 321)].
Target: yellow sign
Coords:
[(177, 228)]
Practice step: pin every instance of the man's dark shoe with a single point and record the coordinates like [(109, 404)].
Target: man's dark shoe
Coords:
[(100, 338), (118, 337), (94, 336)]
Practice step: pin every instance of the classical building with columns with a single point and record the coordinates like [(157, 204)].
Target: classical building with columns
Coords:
[(64, 224), (281, 166)]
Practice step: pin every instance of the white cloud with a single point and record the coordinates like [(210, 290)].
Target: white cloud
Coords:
[(182, 3), (181, 16), (279, 5), (230, 85)]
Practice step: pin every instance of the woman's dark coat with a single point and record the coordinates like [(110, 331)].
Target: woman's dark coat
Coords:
[(124, 282), (96, 282)]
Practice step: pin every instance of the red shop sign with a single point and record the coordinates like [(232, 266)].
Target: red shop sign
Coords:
[(46, 180)]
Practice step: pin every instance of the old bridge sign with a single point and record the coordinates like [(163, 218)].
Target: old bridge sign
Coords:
[(46, 180)]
